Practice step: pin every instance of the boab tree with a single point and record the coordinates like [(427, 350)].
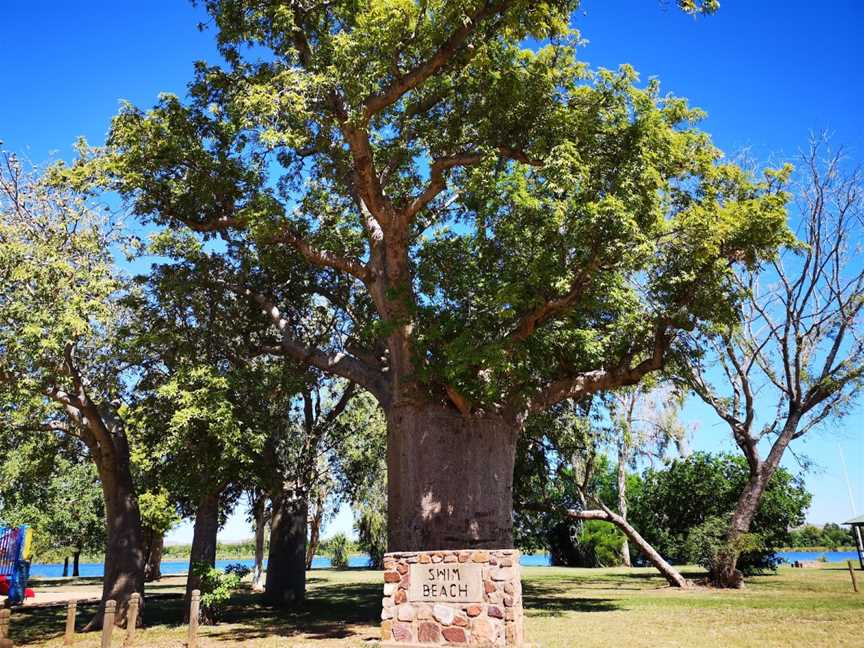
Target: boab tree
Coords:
[(796, 358), (505, 229), (61, 363)]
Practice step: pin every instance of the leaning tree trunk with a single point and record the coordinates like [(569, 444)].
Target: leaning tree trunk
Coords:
[(154, 544), (672, 576), (203, 551), (76, 559), (286, 562), (124, 551), (260, 530), (450, 479), (65, 566), (622, 501), (724, 572)]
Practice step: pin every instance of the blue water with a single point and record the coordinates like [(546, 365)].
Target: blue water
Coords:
[(170, 567), (830, 556)]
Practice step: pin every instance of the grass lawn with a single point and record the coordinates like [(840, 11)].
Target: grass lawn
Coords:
[(564, 608)]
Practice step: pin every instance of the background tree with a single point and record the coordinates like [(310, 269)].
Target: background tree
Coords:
[(502, 228), (61, 358), (678, 526), (192, 422), (644, 423), (158, 516), (48, 483), (361, 466), (795, 359)]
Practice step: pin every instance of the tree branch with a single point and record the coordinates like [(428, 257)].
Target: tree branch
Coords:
[(442, 56), (338, 364), (590, 382)]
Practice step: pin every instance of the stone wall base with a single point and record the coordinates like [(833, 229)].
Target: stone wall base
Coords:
[(480, 605)]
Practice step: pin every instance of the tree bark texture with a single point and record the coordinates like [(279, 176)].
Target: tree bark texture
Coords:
[(674, 578), (286, 561), (124, 553), (76, 560), (203, 551), (450, 479)]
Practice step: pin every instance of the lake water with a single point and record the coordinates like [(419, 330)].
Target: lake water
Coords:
[(170, 567)]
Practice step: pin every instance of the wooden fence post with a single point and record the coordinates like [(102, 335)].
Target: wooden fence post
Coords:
[(194, 607), (71, 611), (5, 642), (132, 618), (108, 623), (852, 574)]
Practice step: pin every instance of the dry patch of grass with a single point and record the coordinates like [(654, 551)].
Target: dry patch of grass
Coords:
[(564, 608)]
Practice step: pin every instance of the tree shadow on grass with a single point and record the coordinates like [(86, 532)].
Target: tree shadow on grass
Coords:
[(548, 600), (330, 612)]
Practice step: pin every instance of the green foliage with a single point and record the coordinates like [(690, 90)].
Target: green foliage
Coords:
[(338, 550), (46, 484), (371, 525), (216, 590), (831, 536), (157, 512), (602, 541), (559, 183), (694, 496), (706, 544), (361, 468)]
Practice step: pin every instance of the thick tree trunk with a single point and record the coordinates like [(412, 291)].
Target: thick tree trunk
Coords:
[(450, 479), (622, 503), (154, 544), (65, 566), (260, 531), (76, 559), (674, 578), (203, 551), (286, 562), (124, 552)]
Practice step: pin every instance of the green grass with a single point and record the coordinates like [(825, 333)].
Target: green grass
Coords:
[(564, 608)]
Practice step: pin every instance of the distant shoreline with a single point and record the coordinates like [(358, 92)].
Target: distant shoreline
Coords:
[(181, 552)]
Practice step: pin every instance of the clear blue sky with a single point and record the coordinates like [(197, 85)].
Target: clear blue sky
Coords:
[(767, 72)]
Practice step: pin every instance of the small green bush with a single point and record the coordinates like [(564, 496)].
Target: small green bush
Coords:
[(338, 551), (216, 590)]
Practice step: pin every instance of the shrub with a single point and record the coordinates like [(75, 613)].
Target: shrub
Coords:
[(338, 551), (216, 590), (239, 569), (706, 544), (602, 541)]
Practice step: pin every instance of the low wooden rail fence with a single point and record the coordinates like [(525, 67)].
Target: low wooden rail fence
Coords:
[(108, 622)]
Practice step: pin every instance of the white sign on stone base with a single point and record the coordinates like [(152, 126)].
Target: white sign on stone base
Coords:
[(452, 598)]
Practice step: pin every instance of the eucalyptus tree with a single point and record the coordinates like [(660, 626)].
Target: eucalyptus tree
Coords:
[(506, 228), (644, 423), (61, 358), (795, 360)]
